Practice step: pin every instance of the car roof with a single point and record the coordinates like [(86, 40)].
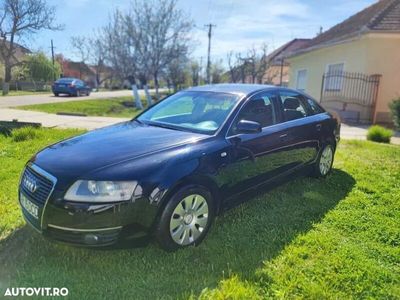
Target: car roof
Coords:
[(67, 79), (233, 88)]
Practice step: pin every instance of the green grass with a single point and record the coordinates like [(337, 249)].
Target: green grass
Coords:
[(309, 238), (113, 107)]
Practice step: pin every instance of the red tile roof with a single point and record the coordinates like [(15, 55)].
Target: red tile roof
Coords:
[(285, 50), (383, 16)]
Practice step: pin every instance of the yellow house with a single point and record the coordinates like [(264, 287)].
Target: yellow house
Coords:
[(354, 67)]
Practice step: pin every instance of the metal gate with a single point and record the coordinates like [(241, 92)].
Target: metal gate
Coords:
[(352, 95)]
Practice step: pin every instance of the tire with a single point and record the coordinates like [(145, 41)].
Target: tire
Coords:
[(181, 226), (56, 94), (88, 94), (323, 165)]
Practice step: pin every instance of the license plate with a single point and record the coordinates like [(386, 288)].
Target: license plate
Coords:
[(30, 207)]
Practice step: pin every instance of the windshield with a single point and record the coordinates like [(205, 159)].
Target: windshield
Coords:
[(202, 112)]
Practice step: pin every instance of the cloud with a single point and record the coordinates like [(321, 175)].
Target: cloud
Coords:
[(241, 24), (247, 25)]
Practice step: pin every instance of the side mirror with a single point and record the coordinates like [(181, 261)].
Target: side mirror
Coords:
[(245, 126)]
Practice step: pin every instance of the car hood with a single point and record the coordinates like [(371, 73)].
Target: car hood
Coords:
[(75, 157)]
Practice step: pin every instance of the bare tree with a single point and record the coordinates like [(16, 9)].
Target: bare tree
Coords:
[(19, 19), (263, 63), (253, 66), (234, 64), (242, 68), (97, 59), (159, 32), (120, 52), (81, 47), (257, 63)]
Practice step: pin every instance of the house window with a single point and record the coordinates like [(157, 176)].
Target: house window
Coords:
[(334, 77), (301, 81)]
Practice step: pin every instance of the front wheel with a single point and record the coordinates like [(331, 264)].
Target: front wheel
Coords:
[(186, 218), (324, 162)]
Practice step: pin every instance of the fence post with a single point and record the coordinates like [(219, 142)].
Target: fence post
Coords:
[(377, 78), (322, 88)]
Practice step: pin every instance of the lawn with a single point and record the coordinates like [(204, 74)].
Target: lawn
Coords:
[(309, 238), (113, 107)]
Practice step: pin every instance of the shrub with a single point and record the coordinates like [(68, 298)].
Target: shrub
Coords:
[(395, 110), (24, 134), (379, 134)]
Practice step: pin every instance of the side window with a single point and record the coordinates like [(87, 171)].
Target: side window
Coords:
[(260, 109), (293, 107), (315, 108)]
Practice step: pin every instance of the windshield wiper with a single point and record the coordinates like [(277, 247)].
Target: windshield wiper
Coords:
[(162, 125)]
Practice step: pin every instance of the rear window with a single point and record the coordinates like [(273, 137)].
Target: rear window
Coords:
[(64, 80)]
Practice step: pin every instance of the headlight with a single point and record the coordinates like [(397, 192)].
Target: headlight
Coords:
[(100, 191)]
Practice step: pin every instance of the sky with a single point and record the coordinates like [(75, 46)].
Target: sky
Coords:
[(239, 24)]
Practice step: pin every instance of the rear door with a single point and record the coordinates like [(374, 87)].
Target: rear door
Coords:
[(301, 128)]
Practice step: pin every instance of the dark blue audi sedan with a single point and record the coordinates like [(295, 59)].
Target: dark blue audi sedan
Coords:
[(71, 87), (172, 169)]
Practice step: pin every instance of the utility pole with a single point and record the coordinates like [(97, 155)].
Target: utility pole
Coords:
[(52, 57), (210, 26)]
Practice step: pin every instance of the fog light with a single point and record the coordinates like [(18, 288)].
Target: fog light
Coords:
[(91, 239)]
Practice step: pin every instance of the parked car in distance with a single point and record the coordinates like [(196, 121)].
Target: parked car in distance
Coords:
[(172, 169), (71, 87)]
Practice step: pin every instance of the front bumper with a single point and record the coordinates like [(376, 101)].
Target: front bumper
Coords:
[(86, 224)]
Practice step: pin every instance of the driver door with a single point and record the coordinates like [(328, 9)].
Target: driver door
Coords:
[(257, 157)]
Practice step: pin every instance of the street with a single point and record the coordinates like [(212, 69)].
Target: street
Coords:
[(13, 101)]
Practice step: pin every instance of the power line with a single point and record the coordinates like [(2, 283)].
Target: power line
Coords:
[(210, 26)]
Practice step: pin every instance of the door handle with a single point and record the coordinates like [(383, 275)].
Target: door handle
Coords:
[(282, 136), (318, 126)]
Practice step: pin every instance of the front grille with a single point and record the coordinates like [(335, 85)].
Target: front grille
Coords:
[(43, 184)]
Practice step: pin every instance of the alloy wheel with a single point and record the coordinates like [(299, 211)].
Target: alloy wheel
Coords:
[(189, 219), (325, 161)]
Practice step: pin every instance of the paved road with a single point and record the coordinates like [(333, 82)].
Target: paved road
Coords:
[(13, 101)]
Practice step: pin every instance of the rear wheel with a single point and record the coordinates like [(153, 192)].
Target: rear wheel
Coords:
[(324, 162), (56, 94), (186, 218)]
